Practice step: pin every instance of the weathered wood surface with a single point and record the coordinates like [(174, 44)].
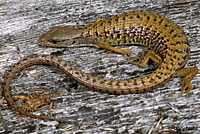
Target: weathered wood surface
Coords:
[(23, 21)]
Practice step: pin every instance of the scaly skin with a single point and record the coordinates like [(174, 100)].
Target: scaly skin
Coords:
[(168, 45), (6, 89)]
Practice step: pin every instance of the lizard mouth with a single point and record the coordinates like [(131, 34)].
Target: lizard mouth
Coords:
[(66, 43), (55, 43)]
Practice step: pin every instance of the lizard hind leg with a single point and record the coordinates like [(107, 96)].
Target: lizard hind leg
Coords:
[(188, 74), (127, 53), (145, 58)]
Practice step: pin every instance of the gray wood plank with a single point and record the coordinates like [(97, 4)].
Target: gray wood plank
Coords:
[(23, 21)]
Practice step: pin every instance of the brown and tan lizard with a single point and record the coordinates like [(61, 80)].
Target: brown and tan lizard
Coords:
[(168, 45)]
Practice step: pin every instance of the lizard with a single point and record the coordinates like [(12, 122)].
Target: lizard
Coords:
[(169, 49)]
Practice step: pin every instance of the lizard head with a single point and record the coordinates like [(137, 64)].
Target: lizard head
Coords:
[(65, 36)]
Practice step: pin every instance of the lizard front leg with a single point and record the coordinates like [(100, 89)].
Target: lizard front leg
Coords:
[(126, 51)]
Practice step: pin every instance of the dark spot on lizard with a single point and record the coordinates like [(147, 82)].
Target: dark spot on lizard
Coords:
[(137, 91), (116, 20), (77, 73), (118, 35), (145, 89), (179, 63), (124, 18), (125, 30), (88, 78), (143, 82), (174, 57), (179, 51), (112, 36), (171, 31), (160, 22), (135, 83), (97, 34), (114, 92), (151, 80), (148, 18), (171, 59), (175, 35), (114, 30), (158, 77), (184, 57), (125, 84), (118, 42), (65, 64), (94, 80), (118, 84), (110, 83), (108, 32), (102, 82)]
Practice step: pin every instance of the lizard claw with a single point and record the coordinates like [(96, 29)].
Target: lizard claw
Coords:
[(132, 62), (127, 52), (186, 85)]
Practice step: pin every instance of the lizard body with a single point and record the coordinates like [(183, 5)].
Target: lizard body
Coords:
[(169, 49)]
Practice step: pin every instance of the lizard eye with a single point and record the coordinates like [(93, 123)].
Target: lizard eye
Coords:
[(56, 41), (73, 42), (53, 41)]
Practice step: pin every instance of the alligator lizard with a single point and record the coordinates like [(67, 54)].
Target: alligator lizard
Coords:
[(168, 45)]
